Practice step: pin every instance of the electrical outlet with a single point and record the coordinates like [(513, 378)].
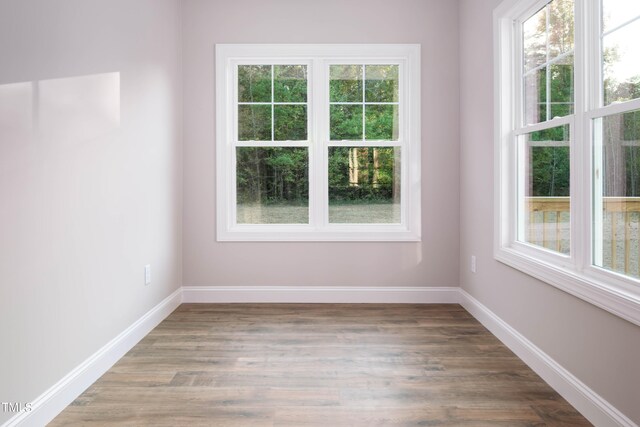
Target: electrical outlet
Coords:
[(473, 263), (147, 274)]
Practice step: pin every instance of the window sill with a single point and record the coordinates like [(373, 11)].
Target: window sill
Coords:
[(597, 292), (347, 233)]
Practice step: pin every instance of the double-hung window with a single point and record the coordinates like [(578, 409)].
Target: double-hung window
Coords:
[(318, 142), (568, 146)]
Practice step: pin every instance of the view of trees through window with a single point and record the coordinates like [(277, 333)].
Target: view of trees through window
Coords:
[(548, 89), (617, 136), (364, 180), (548, 82), (548, 93), (616, 224), (272, 185), (549, 69), (272, 159), (362, 177), (272, 109)]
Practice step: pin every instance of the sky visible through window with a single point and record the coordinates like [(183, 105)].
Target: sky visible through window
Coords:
[(621, 56)]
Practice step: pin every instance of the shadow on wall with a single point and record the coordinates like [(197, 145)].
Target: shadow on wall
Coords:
[(57, 112)]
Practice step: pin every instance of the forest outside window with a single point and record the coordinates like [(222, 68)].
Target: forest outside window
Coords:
[(272, 182), (568, 146), (318, 142)]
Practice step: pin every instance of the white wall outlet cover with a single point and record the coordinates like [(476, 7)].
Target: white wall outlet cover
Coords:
[(147, 274)]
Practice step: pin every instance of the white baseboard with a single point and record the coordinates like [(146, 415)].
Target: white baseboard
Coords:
[(50, 403), (320, 294), (590, 404)]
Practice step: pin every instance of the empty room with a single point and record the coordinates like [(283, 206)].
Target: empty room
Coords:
[(319, 213)]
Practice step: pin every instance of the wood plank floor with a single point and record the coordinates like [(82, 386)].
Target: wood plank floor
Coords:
[(320, 365)]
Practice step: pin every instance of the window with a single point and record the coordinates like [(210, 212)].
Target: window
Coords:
[(318, 142), (568, 146)]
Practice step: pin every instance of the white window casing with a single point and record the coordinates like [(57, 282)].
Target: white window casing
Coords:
[(317, 58)]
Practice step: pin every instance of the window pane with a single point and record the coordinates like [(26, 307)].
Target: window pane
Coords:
[(561, 23), (617, 193), (618, 12), (290, 122), (548, 38), (345, 83), (535, 40), (548, 34), (621, 66), (631, 126), (346, 122), (535, 96), (382, 83), (545, 189), (272, 185), (254, 83), (364, 185), (254, 122), (561, 89), (290, 83), (544, 102), (381, 122)]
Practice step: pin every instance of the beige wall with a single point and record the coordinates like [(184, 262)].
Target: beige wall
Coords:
[(600, 349), (432, 23), (90, 179)]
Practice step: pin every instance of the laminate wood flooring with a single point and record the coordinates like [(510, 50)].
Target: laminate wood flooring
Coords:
[(320, 365)]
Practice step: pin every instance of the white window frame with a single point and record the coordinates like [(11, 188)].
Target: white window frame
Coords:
[(574, 273), (318, 58)]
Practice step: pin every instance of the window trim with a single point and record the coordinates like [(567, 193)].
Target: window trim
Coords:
[(317, 56), (575, 273)]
